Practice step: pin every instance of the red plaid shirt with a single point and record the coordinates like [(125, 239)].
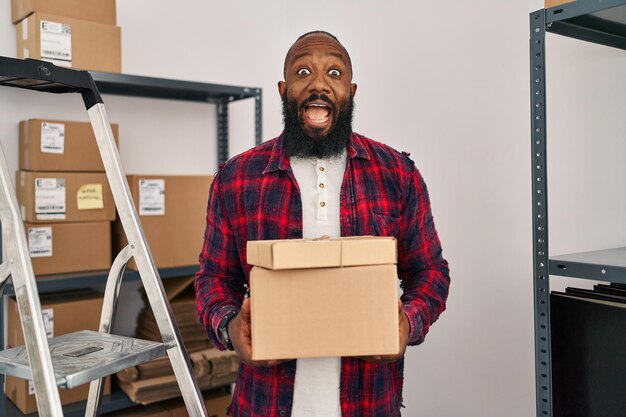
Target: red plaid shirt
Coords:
[(254, 196)]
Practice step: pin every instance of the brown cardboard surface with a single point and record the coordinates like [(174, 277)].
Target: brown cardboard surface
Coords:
[(64, 307), (175, 238), (76, 247), (553, 3), (25, 190), (154, 410), (80, 151), (322, 253), (215, 402), (102, 11), (350, 311), (95, 46)]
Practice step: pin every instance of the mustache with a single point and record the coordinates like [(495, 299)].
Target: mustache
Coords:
[(314, 97)]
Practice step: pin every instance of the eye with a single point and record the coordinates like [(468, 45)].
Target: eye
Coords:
[(303, 71), (334, 73)]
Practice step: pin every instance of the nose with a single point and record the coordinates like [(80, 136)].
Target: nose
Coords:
[(319, 84)]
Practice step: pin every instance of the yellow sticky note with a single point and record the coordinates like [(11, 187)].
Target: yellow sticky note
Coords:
[(89, 197)]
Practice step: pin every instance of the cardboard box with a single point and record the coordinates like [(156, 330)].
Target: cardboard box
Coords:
[(70, 42), (322, 253), (64, 196), (554, 3), (59, 312), (57, 248), (154, 410), (215, 401), (54, 145), (350, 311), (172, 211), (102, 11)]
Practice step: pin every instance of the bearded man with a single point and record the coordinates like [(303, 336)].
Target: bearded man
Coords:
[(318, 178)]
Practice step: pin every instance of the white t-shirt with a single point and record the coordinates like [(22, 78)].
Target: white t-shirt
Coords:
[(316, 388)]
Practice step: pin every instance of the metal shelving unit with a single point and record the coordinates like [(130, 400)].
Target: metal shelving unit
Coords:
[(148, 87), (602, 22)]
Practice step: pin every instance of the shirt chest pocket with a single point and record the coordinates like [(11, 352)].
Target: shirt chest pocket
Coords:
[(385, 225)]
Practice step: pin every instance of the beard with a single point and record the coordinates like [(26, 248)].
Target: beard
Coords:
[(299, 143)]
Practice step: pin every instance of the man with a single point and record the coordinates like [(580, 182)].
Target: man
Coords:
[(318, 178)]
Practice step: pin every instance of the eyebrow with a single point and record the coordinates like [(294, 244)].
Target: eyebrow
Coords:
[(335, 54)]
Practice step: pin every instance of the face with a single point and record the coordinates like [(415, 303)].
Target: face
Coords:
[(318, 80)]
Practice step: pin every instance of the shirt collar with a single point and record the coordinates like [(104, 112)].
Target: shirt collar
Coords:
[(279, 161)]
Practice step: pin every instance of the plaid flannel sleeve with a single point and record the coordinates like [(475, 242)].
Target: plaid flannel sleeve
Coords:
[(423, 271), (219, 283)]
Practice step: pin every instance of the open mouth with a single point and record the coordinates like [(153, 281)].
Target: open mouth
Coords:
[(317, 115)]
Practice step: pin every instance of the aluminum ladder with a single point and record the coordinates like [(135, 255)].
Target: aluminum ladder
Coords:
[(85, 356)]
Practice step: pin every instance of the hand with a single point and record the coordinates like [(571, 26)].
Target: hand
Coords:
[(405, 328), (240, 333)]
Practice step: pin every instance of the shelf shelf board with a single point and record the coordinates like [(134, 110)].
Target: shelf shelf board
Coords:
[(597, 21), (78, 280), (601, 265), (140, 86)]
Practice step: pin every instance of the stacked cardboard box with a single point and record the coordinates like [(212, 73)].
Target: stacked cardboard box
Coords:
[(215, 402), (64, 196), (554, 3), (172, 210), (326, 297), (70, 33), (154, 381), (59, 313)]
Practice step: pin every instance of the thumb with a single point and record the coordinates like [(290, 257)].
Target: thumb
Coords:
[(245, 310)]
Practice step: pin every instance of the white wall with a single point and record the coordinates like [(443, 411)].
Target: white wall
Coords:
[(446, 81)]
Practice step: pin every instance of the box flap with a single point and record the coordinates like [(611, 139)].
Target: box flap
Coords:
[(322, 252)]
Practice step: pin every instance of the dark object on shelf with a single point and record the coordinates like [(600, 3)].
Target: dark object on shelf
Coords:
[(588, 361)]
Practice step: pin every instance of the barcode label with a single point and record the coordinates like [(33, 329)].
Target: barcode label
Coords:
[(49, 198), (151, 197), (52, 137), (40, 241), (56, 42)]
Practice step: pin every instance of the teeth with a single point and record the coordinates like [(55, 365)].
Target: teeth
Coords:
[(317, 105)]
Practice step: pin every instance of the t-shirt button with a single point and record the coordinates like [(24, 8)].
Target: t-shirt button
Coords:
[(283, 413)]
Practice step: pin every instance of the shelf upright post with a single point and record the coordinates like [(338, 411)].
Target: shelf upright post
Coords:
[(258, 121), (541, 279), (222, 131)]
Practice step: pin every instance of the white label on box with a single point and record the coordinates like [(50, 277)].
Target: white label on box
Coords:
[(40, 241), (52, 137), (48, 322), (151, 197), (24, 29), (56, 43), (50, 198), (26, 53)]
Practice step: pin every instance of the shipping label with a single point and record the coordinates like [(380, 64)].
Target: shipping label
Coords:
[(151, 197), (56, 43), (52, 137), (50, 198), (40, 242)]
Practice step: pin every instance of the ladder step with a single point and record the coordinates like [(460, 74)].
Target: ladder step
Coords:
[(81, 357)]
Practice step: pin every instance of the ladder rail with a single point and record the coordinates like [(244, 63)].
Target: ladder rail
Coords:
[(20, 268), (148, 272)]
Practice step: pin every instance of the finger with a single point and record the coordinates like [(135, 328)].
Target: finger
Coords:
[(245, 310)]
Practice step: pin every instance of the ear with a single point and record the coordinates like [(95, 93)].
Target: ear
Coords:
[(353, 89), (282, 86)]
